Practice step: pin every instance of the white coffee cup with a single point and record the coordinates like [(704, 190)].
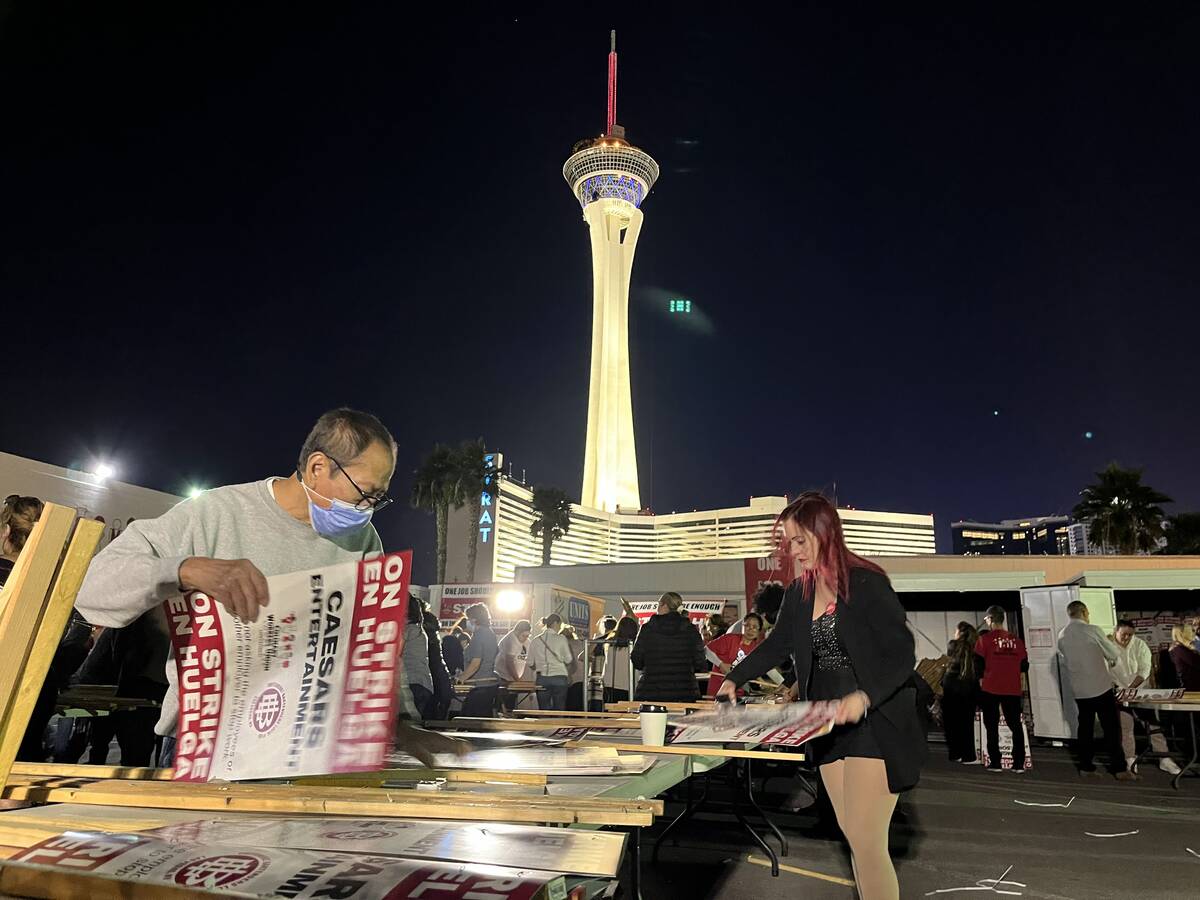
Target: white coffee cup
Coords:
[(654, 725)]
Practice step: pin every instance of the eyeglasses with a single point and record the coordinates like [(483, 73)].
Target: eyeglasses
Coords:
[(377, 501)]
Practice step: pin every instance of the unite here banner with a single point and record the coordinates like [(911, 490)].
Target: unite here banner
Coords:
[(308, 689)]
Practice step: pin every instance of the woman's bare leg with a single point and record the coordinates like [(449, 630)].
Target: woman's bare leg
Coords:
[(865, 817)]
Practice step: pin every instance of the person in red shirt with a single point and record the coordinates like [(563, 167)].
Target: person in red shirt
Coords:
[(1000, 655), (728, 650)]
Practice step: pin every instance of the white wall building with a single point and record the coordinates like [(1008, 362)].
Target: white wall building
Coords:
[(89, 494), (504, 541)]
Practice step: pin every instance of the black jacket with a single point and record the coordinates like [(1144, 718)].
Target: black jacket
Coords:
[(871, 627), (669, 652)]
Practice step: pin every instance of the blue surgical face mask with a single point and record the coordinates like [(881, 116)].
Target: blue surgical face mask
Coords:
[(340, 519)]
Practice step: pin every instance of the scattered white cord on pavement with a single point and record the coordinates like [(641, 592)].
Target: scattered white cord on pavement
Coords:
[(1118, 834), (987, 884), (1030, 803), (1193, 852)]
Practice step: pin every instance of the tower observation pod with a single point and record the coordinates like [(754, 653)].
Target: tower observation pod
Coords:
[(610, 178)]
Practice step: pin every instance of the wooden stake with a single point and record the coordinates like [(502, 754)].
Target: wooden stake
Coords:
[(683, 750), (269, 798), (63, 770), (36, 615)]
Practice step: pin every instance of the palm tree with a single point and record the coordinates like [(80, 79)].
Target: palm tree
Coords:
[(553, 511), (437, 487), (478, 474), (1121, 513), (1183, 534)]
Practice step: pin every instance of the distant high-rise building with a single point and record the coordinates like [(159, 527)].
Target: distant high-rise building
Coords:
[(1039, 536)]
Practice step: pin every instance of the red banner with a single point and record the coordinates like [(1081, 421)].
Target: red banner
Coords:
[(766, 570)]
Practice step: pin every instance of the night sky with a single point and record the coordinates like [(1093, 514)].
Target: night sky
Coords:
[(893, 224)]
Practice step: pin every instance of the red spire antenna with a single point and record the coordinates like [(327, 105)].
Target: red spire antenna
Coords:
[(612, 83)]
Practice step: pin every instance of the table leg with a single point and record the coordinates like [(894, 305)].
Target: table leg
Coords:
[(688, 811), (635, 862), (745, 823), (1191, 762), (783, 845)]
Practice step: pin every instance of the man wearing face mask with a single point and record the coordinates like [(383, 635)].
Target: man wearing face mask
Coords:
[(226, 541)]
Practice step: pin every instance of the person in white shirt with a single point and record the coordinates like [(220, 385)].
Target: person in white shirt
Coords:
[(510, 661), (550, 658), (1087, 656), (1133, 671)]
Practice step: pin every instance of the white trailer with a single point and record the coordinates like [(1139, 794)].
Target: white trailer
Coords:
[(509, 603), (1044, 614)]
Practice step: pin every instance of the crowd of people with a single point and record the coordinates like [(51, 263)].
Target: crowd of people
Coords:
[(837, 634), (985, 671)]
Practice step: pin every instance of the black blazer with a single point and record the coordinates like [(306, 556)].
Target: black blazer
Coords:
[(872, 628)]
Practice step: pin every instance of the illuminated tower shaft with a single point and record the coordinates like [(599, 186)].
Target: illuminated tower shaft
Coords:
[(610, 178)]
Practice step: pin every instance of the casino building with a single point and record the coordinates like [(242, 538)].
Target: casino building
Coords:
[(504, 541)]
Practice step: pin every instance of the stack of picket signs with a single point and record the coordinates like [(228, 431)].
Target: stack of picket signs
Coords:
[(279, 788)]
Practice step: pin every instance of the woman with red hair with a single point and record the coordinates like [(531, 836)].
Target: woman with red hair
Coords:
[(845, 627)]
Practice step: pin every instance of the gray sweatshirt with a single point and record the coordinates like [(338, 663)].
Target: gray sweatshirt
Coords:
[(140, 569)]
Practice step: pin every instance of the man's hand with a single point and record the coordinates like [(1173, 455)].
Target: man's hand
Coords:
[(425, 744), (726, 668), (234, 583), (728, 690)]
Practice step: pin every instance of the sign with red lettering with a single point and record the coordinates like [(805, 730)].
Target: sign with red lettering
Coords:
[(697, 609), (308, 689), (762, 570), (271, 872)]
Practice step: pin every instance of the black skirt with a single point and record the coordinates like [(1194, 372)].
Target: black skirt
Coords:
[(852, 739)]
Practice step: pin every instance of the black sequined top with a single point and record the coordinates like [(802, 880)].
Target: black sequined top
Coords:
[(828, 652)]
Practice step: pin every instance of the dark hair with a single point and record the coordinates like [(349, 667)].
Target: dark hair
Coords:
[(416, 609), (522, 625), (969, 632), (609, 623), (19, 514), (551, 620), (962, 659), (768, 600), (1126, 623), (995, 615), (344, 434), (479, 614), (748, 616), (813, 512), (627, 629), (716, 624), (568, 631), (1076, 608)]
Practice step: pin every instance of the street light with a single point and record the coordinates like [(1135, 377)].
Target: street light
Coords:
[(194, 492), (510, 601), (104, 471)]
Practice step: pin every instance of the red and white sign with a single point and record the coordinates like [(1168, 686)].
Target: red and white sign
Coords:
[(456, 598), (783, 724), (763, 570), (697, 609), (306, 690), (299, 874)]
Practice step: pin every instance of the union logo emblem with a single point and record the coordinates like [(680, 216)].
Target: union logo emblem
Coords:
[(222, 871), (267, 709)]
